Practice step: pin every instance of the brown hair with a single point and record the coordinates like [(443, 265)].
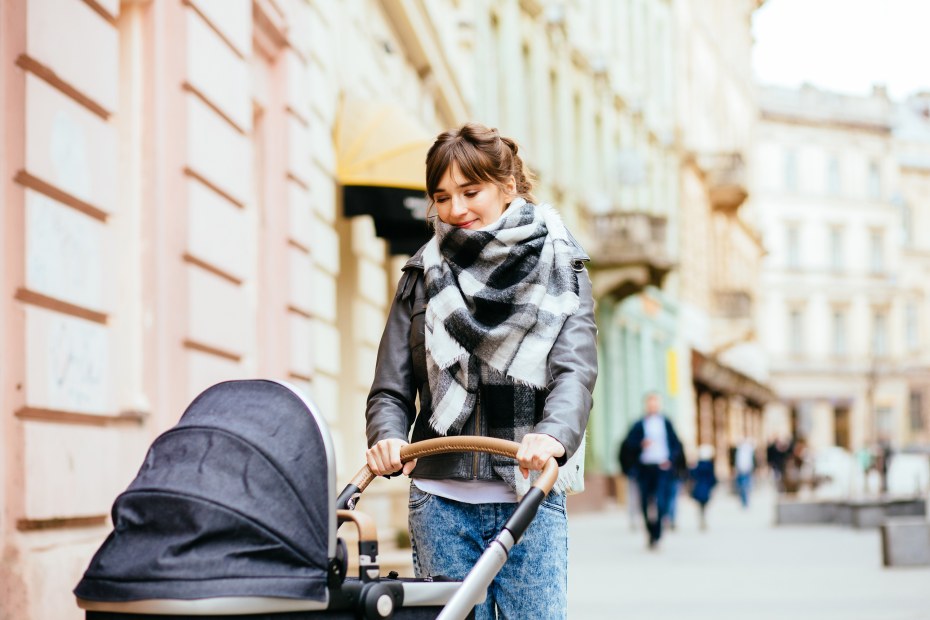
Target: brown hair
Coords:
[(482, 154)]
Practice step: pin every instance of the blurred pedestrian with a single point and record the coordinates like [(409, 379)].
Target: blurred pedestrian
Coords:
[(648, 453), (703, 480), (776, 455), (795, 466), (679, 475), (630, 489), (744, 463), (883, 454)]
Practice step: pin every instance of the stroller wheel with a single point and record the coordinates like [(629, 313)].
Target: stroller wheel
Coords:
[(378, 601)]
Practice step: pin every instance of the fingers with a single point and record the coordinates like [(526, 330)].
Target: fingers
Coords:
[(408, 466), (535, 450), (383, 458)]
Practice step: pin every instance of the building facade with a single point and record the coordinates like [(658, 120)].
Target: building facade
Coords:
[(844, 281), (912, 149), (719, 235)]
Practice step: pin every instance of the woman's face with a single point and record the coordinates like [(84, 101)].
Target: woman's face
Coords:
[(466, 204)]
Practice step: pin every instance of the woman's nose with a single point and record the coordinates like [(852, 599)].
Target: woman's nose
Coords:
[(458, 206)]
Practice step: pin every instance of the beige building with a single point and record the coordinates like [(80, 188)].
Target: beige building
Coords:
[(845, 279), (912, 148), (718, 232)]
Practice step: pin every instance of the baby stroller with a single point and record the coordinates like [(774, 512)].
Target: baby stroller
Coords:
[(234, 515)]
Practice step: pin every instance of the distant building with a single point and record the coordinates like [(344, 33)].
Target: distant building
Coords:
[(844, 301), (912, 152)]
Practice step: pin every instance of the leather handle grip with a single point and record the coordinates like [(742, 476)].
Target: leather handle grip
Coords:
[(464, 443)]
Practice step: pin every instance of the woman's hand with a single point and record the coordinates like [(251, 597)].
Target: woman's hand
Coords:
[(535, 450), (384, 458)]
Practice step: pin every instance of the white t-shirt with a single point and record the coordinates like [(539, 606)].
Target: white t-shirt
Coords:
[(469, 491), (744, 457), (654, 430)]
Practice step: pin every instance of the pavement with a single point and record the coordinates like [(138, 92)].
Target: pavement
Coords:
[(742, 566)]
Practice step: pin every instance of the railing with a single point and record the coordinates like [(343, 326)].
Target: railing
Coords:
[(726, 179), (733, 304), (628, 237)]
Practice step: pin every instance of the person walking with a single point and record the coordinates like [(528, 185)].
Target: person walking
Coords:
[(776, 456), (703, 480), (492, 331), (649, 452), (744, 463)]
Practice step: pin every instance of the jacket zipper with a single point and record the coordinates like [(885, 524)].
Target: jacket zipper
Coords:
[(474, 468)]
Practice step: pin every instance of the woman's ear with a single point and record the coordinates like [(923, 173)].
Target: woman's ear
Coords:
[(511, 185)]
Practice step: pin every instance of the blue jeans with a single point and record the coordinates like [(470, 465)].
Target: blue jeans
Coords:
[(743, 485), (672, 489), (448, 537), (653, 491)]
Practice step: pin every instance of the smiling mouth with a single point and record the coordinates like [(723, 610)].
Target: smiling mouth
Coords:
[(466, 224)]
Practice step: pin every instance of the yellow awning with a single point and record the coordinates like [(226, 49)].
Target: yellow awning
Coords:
[(380, 145)]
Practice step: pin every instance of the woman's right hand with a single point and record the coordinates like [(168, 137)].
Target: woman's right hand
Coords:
[(384, 458)]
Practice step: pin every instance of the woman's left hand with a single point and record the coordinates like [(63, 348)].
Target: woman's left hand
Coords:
[(535, 450)]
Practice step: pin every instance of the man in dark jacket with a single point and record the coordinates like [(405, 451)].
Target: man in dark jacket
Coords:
[(648, 454)]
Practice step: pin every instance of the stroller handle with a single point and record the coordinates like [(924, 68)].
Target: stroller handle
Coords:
[(463, 443)]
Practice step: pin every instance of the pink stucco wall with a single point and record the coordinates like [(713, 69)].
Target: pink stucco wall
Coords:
[(155, 221)]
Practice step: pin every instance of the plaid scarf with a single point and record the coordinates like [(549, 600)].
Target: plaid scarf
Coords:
[(498, 297)]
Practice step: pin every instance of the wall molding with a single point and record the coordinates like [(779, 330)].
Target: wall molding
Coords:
[(211, 350), (27, 63), (47, 189), (60, 523), (60, 416), (57, 305)]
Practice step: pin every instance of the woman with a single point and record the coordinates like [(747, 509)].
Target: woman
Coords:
[(492, 328)]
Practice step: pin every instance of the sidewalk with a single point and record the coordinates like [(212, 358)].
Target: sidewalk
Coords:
[(742, 567)]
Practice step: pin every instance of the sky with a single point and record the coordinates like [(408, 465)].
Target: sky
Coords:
[(844, 45)]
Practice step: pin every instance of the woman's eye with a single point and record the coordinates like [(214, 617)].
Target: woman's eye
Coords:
[(441, 199), (471, 194)]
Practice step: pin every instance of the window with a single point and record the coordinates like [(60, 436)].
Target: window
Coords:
[(796, 331), (836, 248), (841, 426), (793, 246), (875, 181), (791, 170), (884, 421), (839, 333), (880, 333), (915, 411), (876, 251), (907, 225), (833, 176), (911, 326)]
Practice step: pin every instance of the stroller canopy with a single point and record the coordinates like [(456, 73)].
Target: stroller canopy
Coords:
[(238, 499)]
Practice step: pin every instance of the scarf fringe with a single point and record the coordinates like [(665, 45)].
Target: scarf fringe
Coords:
[(569, 482)]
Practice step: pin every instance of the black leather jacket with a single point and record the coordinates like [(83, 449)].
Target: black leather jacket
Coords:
[(400, 377)]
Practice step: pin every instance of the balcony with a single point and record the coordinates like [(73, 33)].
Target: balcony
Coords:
[(726, 180), (732, 304), (628, 251)]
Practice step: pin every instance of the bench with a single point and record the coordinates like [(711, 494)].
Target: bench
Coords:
[(905, 542)]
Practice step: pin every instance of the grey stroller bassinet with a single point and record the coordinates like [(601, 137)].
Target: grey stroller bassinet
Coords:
[(234, 514)]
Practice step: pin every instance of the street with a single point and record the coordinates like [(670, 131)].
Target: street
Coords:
[(741, 567)]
